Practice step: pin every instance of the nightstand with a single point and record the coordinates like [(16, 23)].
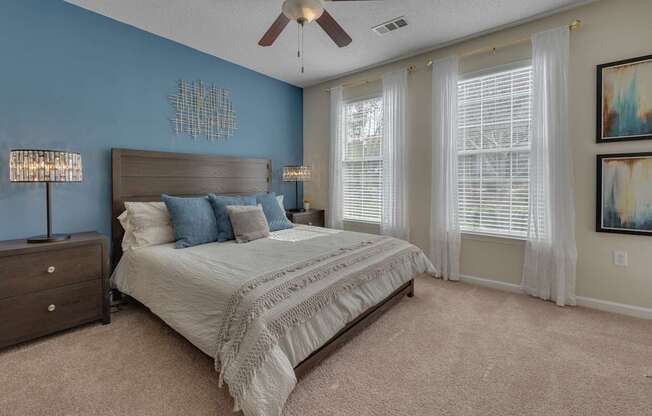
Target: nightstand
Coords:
[(310, 217), (49, 287)]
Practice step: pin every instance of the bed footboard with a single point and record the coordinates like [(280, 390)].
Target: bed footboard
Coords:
[(353, 328)]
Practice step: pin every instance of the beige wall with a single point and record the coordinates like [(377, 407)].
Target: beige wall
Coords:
[(611, 30)]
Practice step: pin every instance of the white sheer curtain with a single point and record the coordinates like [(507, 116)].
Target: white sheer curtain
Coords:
[(335, 213), (550, 252), (394, 213), (444, 222)]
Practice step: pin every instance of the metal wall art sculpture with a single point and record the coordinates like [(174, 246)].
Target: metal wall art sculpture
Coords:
[(202, 111)]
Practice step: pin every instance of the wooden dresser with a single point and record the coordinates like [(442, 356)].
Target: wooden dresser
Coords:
[(313, 217), (49, 287)]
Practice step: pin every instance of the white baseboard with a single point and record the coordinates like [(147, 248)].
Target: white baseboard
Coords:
[(494, 284), (621, 308), (598, 304)]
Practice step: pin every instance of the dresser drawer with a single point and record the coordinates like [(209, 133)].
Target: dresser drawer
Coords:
[(30, 316), (27, 273)]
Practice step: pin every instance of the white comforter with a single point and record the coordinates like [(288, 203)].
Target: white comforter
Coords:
[(215, 296)]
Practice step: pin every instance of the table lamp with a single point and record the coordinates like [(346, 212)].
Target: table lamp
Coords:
[(297, 174), (45, 166)]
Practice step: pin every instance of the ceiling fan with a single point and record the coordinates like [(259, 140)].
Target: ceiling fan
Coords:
[(306, 11)]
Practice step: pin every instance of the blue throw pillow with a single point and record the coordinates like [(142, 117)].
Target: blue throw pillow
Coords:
[(193, 220), (276, 217), (219, 203)]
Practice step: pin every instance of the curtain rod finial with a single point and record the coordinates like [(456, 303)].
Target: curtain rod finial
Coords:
[(575, 24)]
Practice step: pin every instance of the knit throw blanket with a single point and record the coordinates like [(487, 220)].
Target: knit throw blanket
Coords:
[(265, 307)]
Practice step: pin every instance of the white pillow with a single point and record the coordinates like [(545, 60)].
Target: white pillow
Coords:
[(279, 198), (148, 224), (128, 239)]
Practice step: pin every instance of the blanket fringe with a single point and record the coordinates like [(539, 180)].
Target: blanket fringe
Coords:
[(237, 297), (239, 378), (287, 289)]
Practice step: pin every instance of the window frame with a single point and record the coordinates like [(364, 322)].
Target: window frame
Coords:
[(345, 103), (512, 66)]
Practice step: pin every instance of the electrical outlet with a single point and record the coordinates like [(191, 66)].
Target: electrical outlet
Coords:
[(620, 258)]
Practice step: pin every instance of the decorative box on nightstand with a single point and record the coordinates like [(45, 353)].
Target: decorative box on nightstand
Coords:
[(49, 287), (313, 217)]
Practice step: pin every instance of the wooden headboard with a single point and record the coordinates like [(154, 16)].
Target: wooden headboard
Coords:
[(140, 175)]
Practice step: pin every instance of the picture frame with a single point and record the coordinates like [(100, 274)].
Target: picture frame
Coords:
[(624, 100), (624, 193)]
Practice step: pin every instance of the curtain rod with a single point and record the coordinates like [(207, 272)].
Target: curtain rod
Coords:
[(574, 25)]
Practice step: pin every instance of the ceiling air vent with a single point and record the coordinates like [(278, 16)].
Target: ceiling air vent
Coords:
[(390, 26)]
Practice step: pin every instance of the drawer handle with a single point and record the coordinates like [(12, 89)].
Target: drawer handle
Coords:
[(51, 269), (51, 308)]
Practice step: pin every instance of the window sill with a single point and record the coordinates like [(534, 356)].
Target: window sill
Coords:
[(494, 238), (361, 222), (362, 226)]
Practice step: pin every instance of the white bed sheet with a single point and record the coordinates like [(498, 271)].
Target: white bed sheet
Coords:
[(189, 289)]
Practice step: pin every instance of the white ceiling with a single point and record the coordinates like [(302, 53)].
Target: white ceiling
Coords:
[(230, 29)]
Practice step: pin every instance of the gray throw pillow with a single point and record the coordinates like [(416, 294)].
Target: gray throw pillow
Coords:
[(248, 222)]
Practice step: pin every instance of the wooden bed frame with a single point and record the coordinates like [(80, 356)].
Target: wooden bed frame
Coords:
[(140, 175)]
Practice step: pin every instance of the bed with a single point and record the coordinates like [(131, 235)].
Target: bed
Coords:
[(266, 311)]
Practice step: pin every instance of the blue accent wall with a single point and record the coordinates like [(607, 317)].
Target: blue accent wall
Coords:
[(74, 80)]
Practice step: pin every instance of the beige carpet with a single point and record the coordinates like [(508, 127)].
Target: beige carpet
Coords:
[(454, 349)]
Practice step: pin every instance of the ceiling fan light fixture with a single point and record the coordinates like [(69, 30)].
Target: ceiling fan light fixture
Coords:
[(303, 11)]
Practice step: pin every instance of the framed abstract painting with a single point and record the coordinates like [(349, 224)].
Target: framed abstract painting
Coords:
[(624, 193), (624, 100)]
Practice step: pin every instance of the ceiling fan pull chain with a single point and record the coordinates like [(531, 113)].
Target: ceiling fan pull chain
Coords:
[(298, 40), (300, 44), (302, 50)]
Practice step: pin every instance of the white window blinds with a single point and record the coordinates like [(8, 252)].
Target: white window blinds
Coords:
[(362, 161), (494, 120)]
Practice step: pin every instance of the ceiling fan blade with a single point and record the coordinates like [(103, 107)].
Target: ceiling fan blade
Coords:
[(334, 30), (274, 30)]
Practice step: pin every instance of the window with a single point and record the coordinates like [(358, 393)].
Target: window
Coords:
[(362, 160), (494, 120)]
